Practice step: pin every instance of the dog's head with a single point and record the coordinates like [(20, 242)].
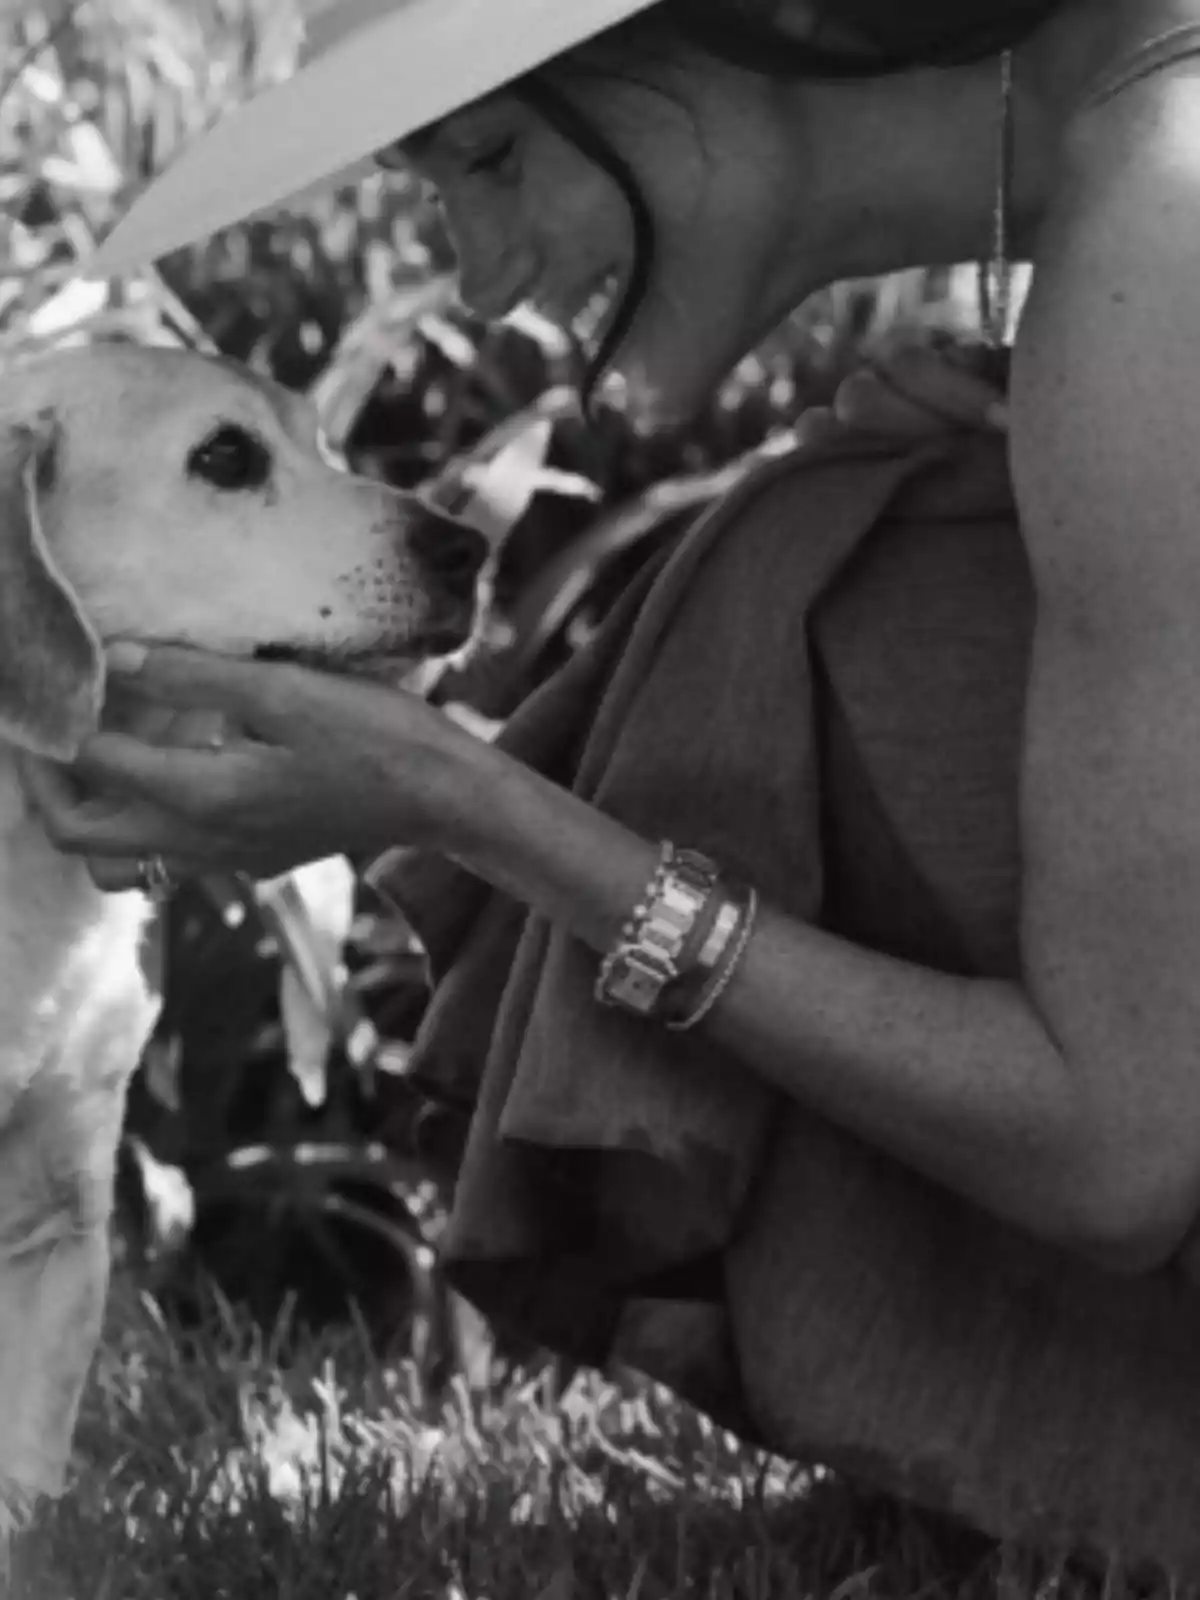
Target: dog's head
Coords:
[(169, 497)]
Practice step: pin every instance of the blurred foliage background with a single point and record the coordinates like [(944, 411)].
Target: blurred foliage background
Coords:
[(273, 1145)]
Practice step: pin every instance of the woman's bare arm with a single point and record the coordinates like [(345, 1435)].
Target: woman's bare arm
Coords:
[(1107, 468), (957, 1078)]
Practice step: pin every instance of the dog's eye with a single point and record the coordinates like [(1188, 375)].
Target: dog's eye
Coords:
[(231, 458)]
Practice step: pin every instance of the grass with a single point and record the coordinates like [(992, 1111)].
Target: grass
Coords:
[(211, 1464)]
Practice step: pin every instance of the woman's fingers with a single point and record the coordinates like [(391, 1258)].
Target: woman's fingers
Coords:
[(197, 730), (116, 874), (912, 390), (119, 874), (253, 694), (184, 780), (80, 823), (69, 814), (156, 723), (48, 786)]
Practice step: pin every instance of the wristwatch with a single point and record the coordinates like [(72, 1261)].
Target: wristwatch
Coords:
[(646, 960)]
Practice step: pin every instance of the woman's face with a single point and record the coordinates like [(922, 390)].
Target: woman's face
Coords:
[(533, 219)]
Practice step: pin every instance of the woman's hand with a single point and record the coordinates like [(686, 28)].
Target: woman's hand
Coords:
[(321, 765), (909, 391)]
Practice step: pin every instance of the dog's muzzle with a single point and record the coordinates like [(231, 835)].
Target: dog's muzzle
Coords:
[(451, 554)]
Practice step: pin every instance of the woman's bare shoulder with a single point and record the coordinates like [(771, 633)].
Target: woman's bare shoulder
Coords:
[(1106, 375)]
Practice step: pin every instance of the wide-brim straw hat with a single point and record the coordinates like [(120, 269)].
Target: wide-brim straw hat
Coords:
[(371, 72)]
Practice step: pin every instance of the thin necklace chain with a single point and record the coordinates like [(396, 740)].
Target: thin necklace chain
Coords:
[(995, 276)]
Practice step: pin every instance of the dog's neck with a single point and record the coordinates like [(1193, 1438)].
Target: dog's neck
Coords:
[(20, 828), (33, 873), (68, 951), (14, 808)]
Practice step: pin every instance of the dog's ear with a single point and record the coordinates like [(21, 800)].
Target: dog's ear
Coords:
[(51, 659)]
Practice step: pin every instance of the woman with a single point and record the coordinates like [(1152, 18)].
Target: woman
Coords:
[(1061, 1099), (713, 149)]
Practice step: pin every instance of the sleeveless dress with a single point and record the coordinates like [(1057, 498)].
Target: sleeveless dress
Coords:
[(1175, 38)]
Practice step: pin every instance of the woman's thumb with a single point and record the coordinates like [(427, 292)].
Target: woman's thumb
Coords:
[(195, 681)]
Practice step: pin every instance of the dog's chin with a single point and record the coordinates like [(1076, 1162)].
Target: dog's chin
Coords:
[(382, 661)]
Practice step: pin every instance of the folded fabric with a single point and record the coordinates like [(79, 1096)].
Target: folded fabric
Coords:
[(821, 685)]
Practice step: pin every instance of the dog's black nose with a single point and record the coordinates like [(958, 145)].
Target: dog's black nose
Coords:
[(451, 553)]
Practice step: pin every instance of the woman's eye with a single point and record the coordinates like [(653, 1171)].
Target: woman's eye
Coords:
[(231, 458), (495, 157)]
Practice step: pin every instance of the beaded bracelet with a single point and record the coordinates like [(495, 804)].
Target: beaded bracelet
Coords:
[(733, 928)]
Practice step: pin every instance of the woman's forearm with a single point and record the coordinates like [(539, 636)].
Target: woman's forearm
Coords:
[(955, 1078)]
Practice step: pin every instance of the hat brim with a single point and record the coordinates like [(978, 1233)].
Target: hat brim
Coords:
[(377, 83)]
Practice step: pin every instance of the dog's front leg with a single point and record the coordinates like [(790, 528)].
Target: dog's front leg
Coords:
[(56, 1185)]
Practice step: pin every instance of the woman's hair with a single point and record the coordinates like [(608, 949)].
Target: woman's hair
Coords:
[(897, 37), (570, 124), (945, 32)]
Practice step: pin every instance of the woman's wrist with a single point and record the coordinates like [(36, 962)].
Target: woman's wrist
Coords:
[(667, 928), (539, 843), (444, 767), (682, 942)]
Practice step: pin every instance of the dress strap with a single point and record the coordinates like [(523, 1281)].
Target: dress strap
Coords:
[(1155, 55)]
